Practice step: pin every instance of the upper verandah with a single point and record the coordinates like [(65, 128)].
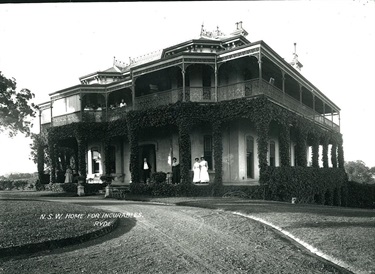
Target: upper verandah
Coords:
[(214, 46)]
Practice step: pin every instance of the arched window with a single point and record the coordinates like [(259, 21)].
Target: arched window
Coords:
[(272, 159), (250, 157)]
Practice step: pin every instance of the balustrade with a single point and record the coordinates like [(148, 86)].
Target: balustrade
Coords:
[(252, 88), (157, 99), (244, 89), (201, 94)]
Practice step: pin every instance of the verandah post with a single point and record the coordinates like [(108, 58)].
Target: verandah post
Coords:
[(218, 157)]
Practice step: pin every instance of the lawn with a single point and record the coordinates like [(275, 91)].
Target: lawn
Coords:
[(30, 223)]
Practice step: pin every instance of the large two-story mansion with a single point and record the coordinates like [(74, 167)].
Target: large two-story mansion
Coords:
[(237, 103)]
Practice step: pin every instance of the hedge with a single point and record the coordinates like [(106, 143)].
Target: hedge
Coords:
[(13, 184), (308, 184), (361, 195)]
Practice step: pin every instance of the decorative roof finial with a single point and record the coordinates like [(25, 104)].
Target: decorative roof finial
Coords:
[(295, 63)]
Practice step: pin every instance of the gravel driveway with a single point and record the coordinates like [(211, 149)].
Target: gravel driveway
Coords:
[(174, 239)]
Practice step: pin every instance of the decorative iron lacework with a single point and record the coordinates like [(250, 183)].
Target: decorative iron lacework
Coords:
[(117, 87), (199, 60), (206, 93), (155, 68), (238, 54)]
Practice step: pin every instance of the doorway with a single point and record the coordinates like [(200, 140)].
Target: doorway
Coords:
[(149, 152)]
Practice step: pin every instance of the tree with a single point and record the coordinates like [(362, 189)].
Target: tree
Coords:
[(16, 110), (358, 172)]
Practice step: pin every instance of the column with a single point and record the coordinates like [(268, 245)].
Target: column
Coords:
[(315, 151), (134, 168), (218, 157), (334, 154), (51, 107), (52, 154), (183, 84), (284, 143), (216, 79), (325, 151), (40, 166), (106, 145), (82, 148), (262, 127), (80, 106), (185, 151), (40, 121), (133, 93), (301, 148), (260, 69), (314, 106)]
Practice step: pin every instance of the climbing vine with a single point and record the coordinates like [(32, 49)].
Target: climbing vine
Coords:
[(185, 116)]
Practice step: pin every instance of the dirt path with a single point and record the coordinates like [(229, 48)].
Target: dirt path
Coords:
[(172, 239)]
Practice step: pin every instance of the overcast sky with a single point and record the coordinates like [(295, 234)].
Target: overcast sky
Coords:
[(47, 47)]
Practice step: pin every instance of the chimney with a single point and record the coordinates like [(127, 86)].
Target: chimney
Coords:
[(239, 26)]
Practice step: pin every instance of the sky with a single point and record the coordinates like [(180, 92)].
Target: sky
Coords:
[(48, 46)]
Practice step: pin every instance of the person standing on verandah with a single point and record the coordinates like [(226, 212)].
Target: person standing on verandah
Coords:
[(204, 177), (197, 171), (175, 171), (68, 175)]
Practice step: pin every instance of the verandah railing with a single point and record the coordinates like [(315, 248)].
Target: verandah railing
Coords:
[(255, 87), (243, 89)]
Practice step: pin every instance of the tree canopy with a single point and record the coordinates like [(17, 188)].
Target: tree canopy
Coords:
[(358, 172), (16, 108)]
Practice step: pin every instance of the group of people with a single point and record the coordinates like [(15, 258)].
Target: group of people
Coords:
[(200, 169), (94, 107), (121, 104), (101, 107)]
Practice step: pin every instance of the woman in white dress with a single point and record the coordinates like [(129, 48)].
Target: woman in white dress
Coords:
[(197, 171), (68, 175), (204, 171)]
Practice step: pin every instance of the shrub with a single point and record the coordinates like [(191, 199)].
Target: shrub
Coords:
[(6, 184), (69, 187), (140, 189), (163, 189), (159, 177), (94, 188), (20, 184)]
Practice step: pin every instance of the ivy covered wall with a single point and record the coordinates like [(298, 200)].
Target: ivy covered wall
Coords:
[(184, 116)]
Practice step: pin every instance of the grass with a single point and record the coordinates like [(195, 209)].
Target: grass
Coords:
[(347, 234), (22, 222)]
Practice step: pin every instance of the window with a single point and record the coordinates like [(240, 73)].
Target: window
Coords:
[(250, 157), (272, 153), (207, 150), (95, 159)]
